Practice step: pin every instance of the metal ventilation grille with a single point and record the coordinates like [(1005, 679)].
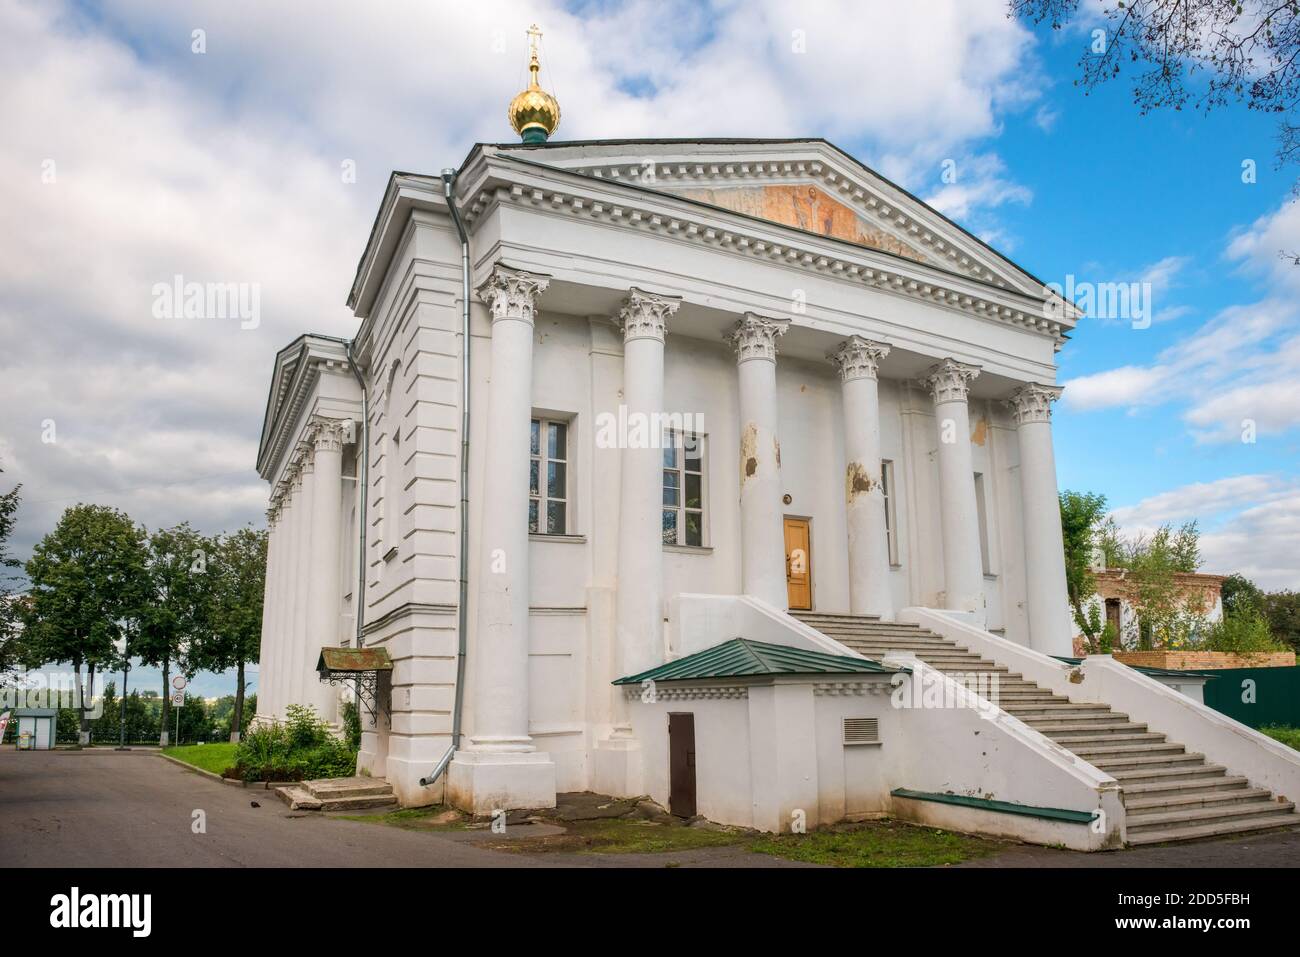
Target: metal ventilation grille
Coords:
[(861, 730)]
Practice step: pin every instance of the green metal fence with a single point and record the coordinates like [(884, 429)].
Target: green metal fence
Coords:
[(1256, 696)]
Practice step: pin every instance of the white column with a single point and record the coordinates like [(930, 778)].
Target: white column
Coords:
[(501, 769), (286, 594), (1046, 598), (858, 361), (270, 595), (963, 566), (296, 687), (638, 603), (762, 531), (323, 585), (640, 525)]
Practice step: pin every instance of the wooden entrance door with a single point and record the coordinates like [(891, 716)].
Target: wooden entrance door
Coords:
[(798, 563), (681, 764)]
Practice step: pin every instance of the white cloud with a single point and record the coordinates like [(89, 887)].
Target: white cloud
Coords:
[(1238, 366), (225, 166), (1249, 524)]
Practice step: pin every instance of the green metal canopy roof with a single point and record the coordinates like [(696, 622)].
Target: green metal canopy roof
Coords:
[(741, 657)]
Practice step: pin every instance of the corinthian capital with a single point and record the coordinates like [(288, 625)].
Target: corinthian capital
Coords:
[(512, 293), (754, 337), (327, 434), (949, 381), (858, 358), (1033, 402), (645, 314)]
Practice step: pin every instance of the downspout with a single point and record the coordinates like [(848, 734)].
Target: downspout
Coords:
[(462, 602), (363, 484)]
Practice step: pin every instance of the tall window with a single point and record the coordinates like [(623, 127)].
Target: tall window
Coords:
[(891, 517), (548, 478), (982, 510), (683, 500)]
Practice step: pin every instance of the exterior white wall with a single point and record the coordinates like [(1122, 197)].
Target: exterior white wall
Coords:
[(770, 754)]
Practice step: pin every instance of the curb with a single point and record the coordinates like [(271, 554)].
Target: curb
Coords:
[(233, 782)]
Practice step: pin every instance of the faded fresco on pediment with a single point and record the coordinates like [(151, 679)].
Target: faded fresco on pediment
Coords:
[(804, 207)]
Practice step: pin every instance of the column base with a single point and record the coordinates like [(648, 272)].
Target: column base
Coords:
[(483, 782), (616, 767)]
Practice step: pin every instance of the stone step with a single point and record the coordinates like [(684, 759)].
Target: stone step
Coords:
[(1062, 729), (1159, 788), (348, 787), (809, 616), (1261, 822), (358, 802), (1192, 817), (1131, 762), (298, 798), (1152, 775), (1082, 739), (1198, 798), (1122, 750)]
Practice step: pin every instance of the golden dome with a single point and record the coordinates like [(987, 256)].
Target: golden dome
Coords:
[(534, 113)]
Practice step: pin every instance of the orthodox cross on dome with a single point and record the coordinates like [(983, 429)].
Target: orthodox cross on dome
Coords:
[(534, 113)]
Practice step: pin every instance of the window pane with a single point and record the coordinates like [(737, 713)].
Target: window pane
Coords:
[(555, 479), (694, 528), (532, 516), (533, 468), (557, 442), (535, 442), (555, 520), (693, 491), (670, 526), (670, 453), (694, 451), (671, 489)]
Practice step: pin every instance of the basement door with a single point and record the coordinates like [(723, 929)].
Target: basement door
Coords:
[(798, 563), (681, 764)]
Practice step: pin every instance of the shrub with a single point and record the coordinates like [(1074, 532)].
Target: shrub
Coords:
[(300, 748), (1243, 633), (352, 725)]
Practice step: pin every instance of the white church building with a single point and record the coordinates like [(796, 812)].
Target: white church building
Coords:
[(719, 471)]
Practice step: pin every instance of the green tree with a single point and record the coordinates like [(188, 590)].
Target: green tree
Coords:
[(1082, 514), (174, 609), (87, 580), (1282, 609), (1240, 594), (1166, 617), (232, 635), (10, 603)]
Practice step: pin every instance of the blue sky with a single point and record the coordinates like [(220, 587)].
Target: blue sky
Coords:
[(224, 164)]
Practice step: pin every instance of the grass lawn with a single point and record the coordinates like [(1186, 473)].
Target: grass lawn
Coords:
[(1288, 736), (869, 844), (876, 844), (623, 836), (210, 757)]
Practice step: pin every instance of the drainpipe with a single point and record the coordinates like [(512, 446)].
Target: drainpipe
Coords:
[(462, 603), (363, 483)]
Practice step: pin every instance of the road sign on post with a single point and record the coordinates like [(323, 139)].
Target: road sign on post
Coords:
[(178, 699)]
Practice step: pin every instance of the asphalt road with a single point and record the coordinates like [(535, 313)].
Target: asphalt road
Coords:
[(100, 808)]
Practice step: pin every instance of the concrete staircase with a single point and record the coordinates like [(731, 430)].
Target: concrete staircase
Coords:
[(1168, 793), (338, 794)]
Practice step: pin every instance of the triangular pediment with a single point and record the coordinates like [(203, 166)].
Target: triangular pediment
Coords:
[(807, 184), (807, 207)]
